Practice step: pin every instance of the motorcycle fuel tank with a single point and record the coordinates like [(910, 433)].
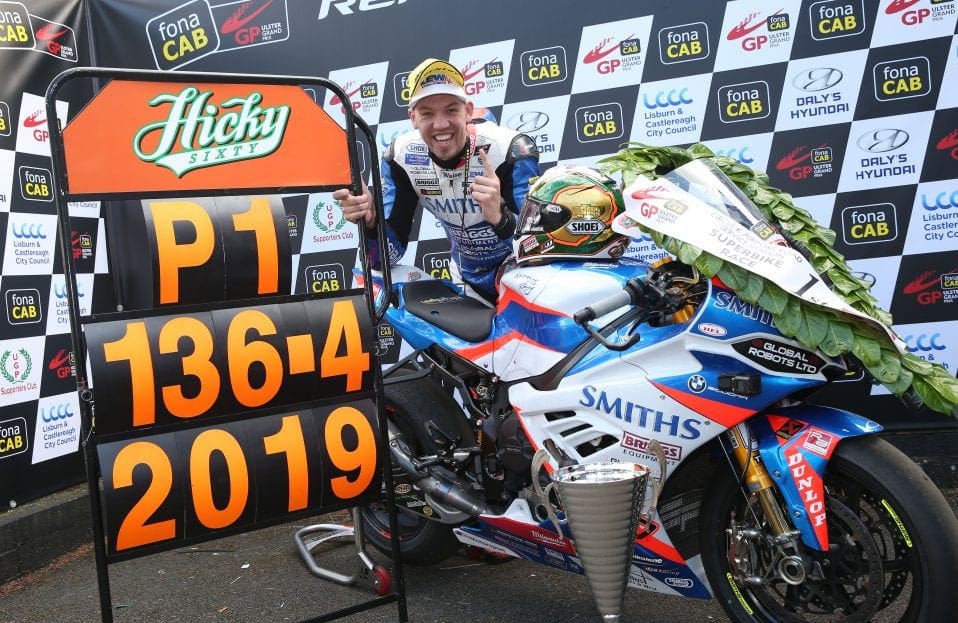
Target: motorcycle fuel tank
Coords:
[(534, 325)]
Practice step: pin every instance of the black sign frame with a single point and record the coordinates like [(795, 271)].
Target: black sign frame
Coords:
[(366, 400)]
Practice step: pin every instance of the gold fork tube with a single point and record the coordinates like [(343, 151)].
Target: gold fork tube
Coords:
[(757, 479)]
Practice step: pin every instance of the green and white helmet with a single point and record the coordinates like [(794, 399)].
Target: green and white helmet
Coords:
[(567, 214)]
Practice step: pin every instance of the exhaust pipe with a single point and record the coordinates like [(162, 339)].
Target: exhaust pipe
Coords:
[(445, 491)]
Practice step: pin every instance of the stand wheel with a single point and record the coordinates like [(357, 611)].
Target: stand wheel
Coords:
[(382, 581)]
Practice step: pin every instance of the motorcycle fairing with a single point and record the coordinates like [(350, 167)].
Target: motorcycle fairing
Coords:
[(795, 444), (656, 565), (700, 390)]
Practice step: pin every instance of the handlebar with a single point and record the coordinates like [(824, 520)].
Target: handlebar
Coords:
[(635, 292), (632, 293)]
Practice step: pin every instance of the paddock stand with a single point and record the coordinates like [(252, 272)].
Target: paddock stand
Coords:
[(366, 569)]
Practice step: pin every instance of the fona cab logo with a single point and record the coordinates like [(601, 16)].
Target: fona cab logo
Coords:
[(206, 137)]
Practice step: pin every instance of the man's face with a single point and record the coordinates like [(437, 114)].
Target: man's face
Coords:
[(441, 121)]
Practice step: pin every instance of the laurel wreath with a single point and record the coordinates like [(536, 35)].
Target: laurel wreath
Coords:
[(316, 219), (904, 374), (3, 365)]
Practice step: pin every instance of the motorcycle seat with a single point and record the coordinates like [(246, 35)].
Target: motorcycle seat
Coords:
[(438, 303)]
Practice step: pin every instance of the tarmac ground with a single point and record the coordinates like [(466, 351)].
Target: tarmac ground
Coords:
[(260, 576)]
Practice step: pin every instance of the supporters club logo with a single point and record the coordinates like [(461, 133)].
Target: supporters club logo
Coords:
[(543, 66), (681, 44), (183, 35), (832, 19)]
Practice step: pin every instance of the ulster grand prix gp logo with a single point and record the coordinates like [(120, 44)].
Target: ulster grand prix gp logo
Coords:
[(199, 133)]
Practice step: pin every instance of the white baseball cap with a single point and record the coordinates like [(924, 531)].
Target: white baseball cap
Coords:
[(435, 77)]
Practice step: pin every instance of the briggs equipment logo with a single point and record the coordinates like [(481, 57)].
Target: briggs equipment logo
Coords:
[(237, 129)]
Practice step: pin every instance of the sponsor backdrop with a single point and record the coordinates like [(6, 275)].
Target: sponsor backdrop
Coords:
[(842, 102)]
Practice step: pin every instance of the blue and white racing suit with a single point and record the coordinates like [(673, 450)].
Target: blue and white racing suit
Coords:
[(410, 177)]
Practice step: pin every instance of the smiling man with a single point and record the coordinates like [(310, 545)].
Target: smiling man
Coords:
[(471, 174)]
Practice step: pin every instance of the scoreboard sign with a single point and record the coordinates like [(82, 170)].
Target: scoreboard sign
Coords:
[(222, 401)]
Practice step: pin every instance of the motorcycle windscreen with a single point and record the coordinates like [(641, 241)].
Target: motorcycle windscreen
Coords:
[(706, 182)]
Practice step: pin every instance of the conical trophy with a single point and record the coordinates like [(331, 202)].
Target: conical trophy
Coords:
[(603, 503)]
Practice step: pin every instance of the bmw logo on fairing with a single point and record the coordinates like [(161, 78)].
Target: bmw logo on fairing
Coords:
[(697, 383)]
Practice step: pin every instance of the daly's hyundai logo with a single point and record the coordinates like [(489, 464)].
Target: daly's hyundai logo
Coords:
[(882, 140), (236, 129), (817, 79)]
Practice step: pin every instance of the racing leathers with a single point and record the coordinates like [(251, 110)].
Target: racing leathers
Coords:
[(411, 177)]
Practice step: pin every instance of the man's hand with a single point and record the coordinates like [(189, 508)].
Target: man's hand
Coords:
[(485, 190), (357, 208)]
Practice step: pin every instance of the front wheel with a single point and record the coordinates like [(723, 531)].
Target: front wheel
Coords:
[(893, 547)]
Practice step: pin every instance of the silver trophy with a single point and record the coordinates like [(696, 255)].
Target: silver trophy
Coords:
[(603, 503)]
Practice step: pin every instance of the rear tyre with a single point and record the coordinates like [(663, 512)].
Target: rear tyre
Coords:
[(893, 546), (409, 405)]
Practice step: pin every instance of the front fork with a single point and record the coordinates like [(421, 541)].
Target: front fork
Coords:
[(780, 538)]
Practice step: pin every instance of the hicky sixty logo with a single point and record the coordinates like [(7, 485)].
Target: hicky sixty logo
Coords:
[(207, 135)]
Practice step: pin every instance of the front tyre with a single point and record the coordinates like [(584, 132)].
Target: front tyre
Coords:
[(893, 546)]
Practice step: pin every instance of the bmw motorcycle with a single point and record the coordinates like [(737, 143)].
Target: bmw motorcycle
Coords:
[(780, 509)]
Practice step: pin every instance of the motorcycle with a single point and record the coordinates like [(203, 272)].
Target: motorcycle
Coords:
[(780, 509)]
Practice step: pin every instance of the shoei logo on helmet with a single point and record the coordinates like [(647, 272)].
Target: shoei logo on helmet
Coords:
[(588, 227)]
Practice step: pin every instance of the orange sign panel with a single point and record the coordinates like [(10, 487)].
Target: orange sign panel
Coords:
[(142, 137)]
